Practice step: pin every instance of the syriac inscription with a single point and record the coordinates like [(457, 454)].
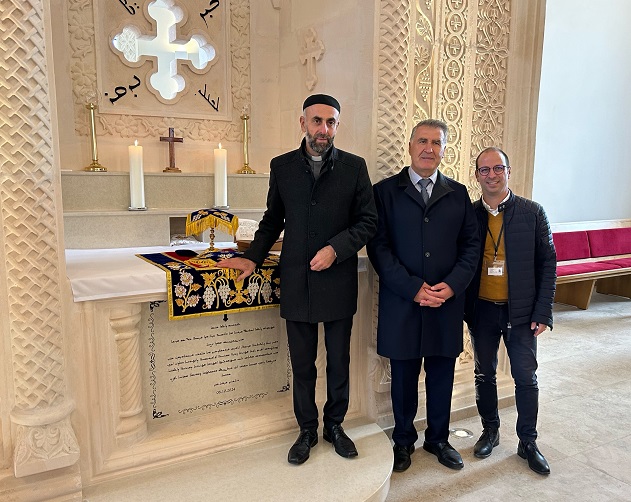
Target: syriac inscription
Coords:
[(165, 55)]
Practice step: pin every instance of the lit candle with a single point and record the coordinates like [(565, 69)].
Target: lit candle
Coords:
[(221, 177), (136, 177)]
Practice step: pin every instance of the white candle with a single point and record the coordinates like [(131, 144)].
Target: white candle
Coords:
[(136, 177), (221, 177)]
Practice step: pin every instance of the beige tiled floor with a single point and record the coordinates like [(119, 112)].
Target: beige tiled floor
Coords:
[(584, 423)]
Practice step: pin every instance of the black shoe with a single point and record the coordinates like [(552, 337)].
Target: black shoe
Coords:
[(402, 458), (536, 461), (344, 446), (447, 454), (489, 439), (299, 452)]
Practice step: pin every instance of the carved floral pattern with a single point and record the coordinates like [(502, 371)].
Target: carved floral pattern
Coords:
[(36, 444), (489, 89)]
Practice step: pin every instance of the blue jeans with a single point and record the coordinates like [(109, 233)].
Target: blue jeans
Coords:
[(490, 325)]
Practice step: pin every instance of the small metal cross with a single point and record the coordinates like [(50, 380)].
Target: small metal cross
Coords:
[(171, 140)]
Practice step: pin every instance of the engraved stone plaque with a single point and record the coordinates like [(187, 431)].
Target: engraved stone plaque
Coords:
[(202, 365)]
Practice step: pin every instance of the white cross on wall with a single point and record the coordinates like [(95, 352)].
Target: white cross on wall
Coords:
[(164, 47)]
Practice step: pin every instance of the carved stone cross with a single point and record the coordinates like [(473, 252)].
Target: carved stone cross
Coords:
[(171, 140), (309, 54), (164, 48)]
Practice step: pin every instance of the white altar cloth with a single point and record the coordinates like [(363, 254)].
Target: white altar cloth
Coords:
[(99, 274)]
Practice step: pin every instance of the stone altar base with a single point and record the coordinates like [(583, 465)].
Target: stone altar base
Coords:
[(260, 472)]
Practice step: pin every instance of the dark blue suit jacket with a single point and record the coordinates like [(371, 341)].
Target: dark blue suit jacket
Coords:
[(416, 244)]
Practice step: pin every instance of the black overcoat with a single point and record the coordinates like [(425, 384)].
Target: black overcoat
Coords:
[(337, 209), (416, 244)]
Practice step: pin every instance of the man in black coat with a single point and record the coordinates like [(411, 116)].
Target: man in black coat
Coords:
[(322, 198), (425, 251), (511, 296)]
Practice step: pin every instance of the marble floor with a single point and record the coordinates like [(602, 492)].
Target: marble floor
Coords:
[(584, 423)]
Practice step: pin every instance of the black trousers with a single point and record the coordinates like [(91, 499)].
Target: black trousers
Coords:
[(439, 383), (521, 345), (303, 350)]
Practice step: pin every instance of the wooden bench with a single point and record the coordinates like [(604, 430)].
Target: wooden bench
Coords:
[(592, 259)]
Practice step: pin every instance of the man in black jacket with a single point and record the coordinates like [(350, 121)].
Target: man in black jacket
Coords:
[(511, 296), (322, 197)]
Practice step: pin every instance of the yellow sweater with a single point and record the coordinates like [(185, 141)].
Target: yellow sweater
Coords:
[(494, 287)]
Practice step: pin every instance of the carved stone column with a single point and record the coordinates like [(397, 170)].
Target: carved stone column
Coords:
[(131, 426), (32, 251)]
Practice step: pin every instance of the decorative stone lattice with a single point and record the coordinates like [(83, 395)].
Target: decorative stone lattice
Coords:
[(393, 85), (31, 252), (489, 88), (452, 80)]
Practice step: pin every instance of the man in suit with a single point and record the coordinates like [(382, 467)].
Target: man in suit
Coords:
[(322, 198), (510, 297), (425, 251)]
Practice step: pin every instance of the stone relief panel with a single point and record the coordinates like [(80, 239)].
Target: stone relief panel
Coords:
[(163, 59), (395, 37), (31, 251), (311, 52), (489, 86), (423, 61), (452, 79), (224, 84)]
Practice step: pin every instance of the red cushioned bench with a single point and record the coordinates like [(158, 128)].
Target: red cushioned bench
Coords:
[(588, 259)]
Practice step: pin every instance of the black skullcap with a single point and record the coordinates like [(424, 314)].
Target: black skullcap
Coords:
[(321, 99)]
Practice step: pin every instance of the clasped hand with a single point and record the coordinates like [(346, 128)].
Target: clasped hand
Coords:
[(433, 296)]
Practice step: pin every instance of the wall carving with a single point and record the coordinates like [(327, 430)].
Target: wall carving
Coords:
[(83, 69), (395, 18), (31, 251), (311, 52), (423, 61), (452, 77), (489, 86)]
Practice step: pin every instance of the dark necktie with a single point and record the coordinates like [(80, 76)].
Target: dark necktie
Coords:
[(424, 183)]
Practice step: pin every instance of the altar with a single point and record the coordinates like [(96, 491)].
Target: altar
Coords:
[(149, 395)]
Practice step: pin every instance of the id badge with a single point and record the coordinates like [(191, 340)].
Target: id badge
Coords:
[(496, 268)]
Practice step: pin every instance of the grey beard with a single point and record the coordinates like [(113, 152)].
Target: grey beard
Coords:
[(318, 148)]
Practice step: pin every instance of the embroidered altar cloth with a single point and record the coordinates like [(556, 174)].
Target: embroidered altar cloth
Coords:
[(196, 287)]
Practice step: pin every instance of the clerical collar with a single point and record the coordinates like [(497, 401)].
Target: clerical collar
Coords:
[(495, 211), (315, 159)]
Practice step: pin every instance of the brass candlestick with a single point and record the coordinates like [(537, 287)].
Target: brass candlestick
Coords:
[(246, 167), (95, 166)]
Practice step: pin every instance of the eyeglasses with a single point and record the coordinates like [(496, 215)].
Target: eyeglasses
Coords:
[(484, 171)]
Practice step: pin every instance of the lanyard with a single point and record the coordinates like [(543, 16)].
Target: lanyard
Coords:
[(496, 245)]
